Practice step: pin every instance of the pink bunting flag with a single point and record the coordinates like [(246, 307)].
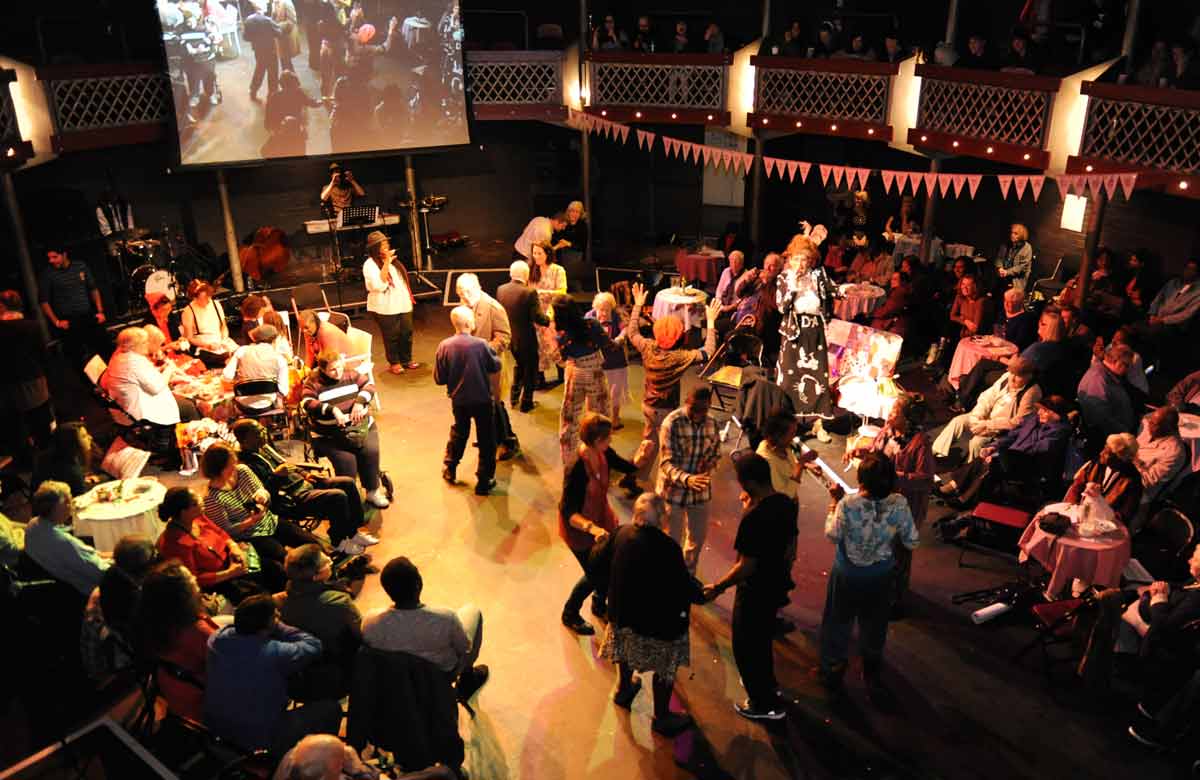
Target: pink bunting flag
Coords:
[(1110, 184), (693, 153), (825, 171), (958, 180), (1035, 186), (623, 130), (804, 167), (930, 181), (888, 177), (769, 166), (1127, 182), (973, 180), (666, 144), (707, 151), (839, 174), (727, 159), (1095, 184), (1005, 183), (649, 139), (1019, 184), (610, 130), (747, 161), (902, 182), (1066, 184), (863, 175), (640, 135), (792, 165), (944, 181)]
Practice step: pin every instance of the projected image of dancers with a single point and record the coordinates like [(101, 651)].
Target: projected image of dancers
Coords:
[(258, 79)]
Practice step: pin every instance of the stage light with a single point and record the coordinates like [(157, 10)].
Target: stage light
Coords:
[(990, 150), (1026, 157), (1087, 168), (870, 131), (638, 114), (924, 138), (833, 128), (674, 115), (954, 144), (1183, 185)]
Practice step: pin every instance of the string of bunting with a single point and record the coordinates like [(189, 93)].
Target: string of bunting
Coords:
[(911, 181)]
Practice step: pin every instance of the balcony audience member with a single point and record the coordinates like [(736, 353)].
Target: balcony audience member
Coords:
[(788, 43), (1103, 23), (977, 55), (607, 37), (51, 545), (616, 365), (1112, 475), (714, 39), (645, 40), (70, 300), (1103, 400), (69, 459), (245, 695), (202, 321), (1173, 308), (894, 314), (681, 42), (866, 528), (174, 629), (524, 314), (449, 639), (1016, 259), (893, 50), (649, 595), (1000, 408), (313, 602), (1185, 395), (550, 280), (858, 49), (1161, 453), (135, 385), (219, 564), (570, 246), (827, 42), (765, 545), (491, 325), (1184, 72), (337, 401), (1028, 453), (1156, 70), (585, 516), (321, 335), (464, 365), (1022, 55), (256, 361)]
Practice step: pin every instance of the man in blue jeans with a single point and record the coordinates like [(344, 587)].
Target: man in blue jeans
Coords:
[(464, 365)]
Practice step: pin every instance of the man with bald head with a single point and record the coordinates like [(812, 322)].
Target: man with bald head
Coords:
[(325, 757), (520, 301), (464, 365)]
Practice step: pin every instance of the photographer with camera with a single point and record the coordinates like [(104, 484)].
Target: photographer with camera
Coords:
[(342, 188)]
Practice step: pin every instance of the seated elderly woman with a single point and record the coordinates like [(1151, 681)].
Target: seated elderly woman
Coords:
[(137, 386), (220, 564), (1113, 476), (202, 321), (999, 409), (69, 459), (50, 544), (163, 316), (108, 635), (321, 335), (337, 400), (259, 361)]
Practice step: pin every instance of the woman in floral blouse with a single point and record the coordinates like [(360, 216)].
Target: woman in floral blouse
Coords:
[(550, 280)]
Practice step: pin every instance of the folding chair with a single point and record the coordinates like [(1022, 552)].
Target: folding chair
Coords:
[(1055, 625), (274, 418), (724, 369), (1165, 543)]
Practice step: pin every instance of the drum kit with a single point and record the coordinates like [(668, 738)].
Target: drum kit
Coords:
[(155, 264), (430, 204)]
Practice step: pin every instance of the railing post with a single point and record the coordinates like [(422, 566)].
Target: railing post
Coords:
[(756, 188), (951, 22)]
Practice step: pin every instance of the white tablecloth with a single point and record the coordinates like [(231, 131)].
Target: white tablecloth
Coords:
[(1189, 430), (689, 308), (971, 350), (413, 29), (135, 512), (859, 299)]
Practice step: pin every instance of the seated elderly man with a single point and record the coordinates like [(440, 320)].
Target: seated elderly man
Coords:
[(726, 292), (448, 639), (1185, 395), (1112, 476), (259, 360), (325, 757), (1161, 454), (1000, 408), (136, 386), (1103, 400), (52, 546)]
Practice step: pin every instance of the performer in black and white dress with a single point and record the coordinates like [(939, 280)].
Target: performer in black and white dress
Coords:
[(805, 296)]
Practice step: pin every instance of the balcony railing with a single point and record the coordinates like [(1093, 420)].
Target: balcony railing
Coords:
[(835, 97), (1141, 128), (516, 84), (93, 106), (659, 87), (989, 114)]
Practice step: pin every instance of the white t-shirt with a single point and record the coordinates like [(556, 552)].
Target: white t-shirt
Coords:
[(140, 389), (539, 230), (386, 295)]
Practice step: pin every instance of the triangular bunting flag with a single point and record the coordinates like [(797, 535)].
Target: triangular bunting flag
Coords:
[(649, 139), (902, 182), (1035, 186), (944, 181), (1005, 183), (863, 175), (804, 167), (747, 161), (1127, 182), (666, 144), (792, 165), (769, 165), (887, 177), (640, 135), (930, 181), (727, 159), (1019, 183), (1095, 184), (825, 171), (973, 180), (707, 151), (1110, 184), (958, 179), (1066, 184), (624, 131), (839, 173)]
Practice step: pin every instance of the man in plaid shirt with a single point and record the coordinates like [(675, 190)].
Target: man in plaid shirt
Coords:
[(690, 447)]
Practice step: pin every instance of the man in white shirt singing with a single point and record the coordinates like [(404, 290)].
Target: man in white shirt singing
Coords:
[(390, 299)]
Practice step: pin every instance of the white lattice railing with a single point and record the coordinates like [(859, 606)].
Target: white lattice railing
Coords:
[(515, 78), (106, 97), (1144, 127), (829, 89), (1006, 108), (683, 81)]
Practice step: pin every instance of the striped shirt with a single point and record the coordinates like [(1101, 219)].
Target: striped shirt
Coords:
[(229, 506), (321, 395), (67, 290), (687, 449)]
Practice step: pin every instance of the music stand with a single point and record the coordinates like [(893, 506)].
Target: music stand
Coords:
[(353, 216)]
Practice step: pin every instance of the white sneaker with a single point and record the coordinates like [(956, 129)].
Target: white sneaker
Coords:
[(349, 547), (378, 498), (364, 539)]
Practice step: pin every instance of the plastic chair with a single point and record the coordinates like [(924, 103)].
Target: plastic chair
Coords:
[(361, 358)]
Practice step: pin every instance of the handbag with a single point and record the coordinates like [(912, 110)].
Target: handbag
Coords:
[(354, 435), (1054, 523)]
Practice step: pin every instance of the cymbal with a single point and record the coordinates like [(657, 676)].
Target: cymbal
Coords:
[(144, 243)]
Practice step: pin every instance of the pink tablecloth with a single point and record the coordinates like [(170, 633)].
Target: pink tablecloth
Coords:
[(705, 269), (970, 351), (857, 299), (1096, 561)]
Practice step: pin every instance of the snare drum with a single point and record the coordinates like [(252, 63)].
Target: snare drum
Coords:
[(147, 283)]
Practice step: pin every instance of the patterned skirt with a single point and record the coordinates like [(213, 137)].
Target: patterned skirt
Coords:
[(803, 370), (646, 654), (548, 354)]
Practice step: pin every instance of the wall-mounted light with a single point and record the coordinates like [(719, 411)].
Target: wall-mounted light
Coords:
[(954, 144), (637, 114), (833, 128), (603, 112), (799, 123), (924, 138), (870, 131), (1074, 207), (990, 150), (1087, 168), (674, 115), (1026, 157), (710, 116), (1183, 185), (765, 120)]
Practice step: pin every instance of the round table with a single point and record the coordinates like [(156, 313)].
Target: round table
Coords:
[(688, 307), (133, 511), (1189, 431), (857, 299), (971, 350), (704, 267), (1098, 560)]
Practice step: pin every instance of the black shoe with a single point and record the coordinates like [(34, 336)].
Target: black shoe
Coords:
[(471, 681), (448, 475), (508, 451), (671, 725), (577, 624), (485, 488), (528, 407), (747, 710), (624, 698), (599, 608)]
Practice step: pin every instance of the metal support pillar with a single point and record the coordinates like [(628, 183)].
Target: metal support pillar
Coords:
[(585, 141), (931, 202), (414, 224), (756, 189), (1129, 40), (951, 22), (1089, 248), (28, 276), (231, 241)]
